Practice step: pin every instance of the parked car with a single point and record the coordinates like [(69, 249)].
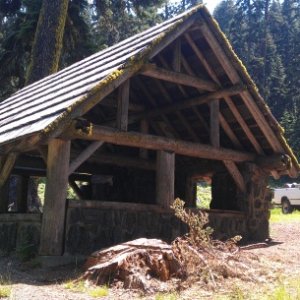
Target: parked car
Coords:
[(288, 197)]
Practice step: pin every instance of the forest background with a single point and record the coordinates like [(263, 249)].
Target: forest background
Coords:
[(265, 34)]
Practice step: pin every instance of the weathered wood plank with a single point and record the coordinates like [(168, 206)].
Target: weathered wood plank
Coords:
[(176, 62), (7, 167), (236, 175), (115, 205), (176, 107), (178, 78), (135, 139), (84, 155), (144, 128), (52, 232), (165, 178), (123, 104), (214, 131)]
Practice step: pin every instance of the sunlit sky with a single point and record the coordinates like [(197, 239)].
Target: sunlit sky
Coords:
[(211, 4)]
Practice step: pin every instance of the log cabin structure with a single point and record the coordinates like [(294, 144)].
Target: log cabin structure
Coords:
[(141, 123)]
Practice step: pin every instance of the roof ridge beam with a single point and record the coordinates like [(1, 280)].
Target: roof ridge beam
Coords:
[(152, 70)]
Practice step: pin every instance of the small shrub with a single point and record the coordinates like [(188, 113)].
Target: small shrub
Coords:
[(199, 232)]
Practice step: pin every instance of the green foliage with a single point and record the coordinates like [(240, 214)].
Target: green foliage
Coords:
[(203, 196), (199, 232)]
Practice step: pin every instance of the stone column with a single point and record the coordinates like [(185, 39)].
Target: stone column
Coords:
[(256, 203)]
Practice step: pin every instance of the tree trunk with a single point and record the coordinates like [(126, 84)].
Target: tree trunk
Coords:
[(48, 40)]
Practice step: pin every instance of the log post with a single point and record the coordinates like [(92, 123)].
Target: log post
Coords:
[(123, 104), (144, 129), (165, 178), (22, 191), (214, 124), (52, 233), (190, 192)]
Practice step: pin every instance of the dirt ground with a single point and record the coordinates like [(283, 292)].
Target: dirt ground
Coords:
[(277, 262)]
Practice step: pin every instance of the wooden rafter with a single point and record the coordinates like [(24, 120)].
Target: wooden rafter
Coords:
[(178, 78), (236, 174), (230, 104), (222, 120), (228, 101), (247, 98)]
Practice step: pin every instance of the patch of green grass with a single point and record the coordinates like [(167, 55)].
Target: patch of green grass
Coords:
[(78, 286), (5, 291), (99, 292), (278, 216), (5, 286), (81, 287), (166, 296)]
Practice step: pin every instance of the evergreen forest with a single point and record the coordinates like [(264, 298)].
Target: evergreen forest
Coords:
[(264, 33)]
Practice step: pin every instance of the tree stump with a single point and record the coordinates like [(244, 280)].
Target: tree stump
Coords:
[(134, 263)]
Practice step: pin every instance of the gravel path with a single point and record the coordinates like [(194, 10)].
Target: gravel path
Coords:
[(46, 283)]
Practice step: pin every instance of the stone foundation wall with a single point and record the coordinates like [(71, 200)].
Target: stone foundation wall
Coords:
[(18, 231), (90, 229)]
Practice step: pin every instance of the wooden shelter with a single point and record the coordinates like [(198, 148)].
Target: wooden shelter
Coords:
[(141, 122)]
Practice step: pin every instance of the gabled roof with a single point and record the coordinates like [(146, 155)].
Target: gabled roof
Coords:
[(44, 108), (36, 106)]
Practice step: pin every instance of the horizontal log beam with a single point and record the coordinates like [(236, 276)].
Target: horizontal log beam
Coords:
[(135, 139), (178, 78)]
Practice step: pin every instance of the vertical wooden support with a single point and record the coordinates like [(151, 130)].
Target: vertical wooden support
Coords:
[(190, 192), (52, 233), (22, 191), (165, 178), (214, 124), (176, 63), (123, 104), (144, 129)]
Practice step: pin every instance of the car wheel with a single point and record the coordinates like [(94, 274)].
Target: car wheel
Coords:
[(286, 206)]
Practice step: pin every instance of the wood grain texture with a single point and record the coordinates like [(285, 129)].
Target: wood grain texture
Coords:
[(52, 232)]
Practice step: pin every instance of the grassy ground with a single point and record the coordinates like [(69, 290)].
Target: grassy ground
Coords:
[(278, 216)]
